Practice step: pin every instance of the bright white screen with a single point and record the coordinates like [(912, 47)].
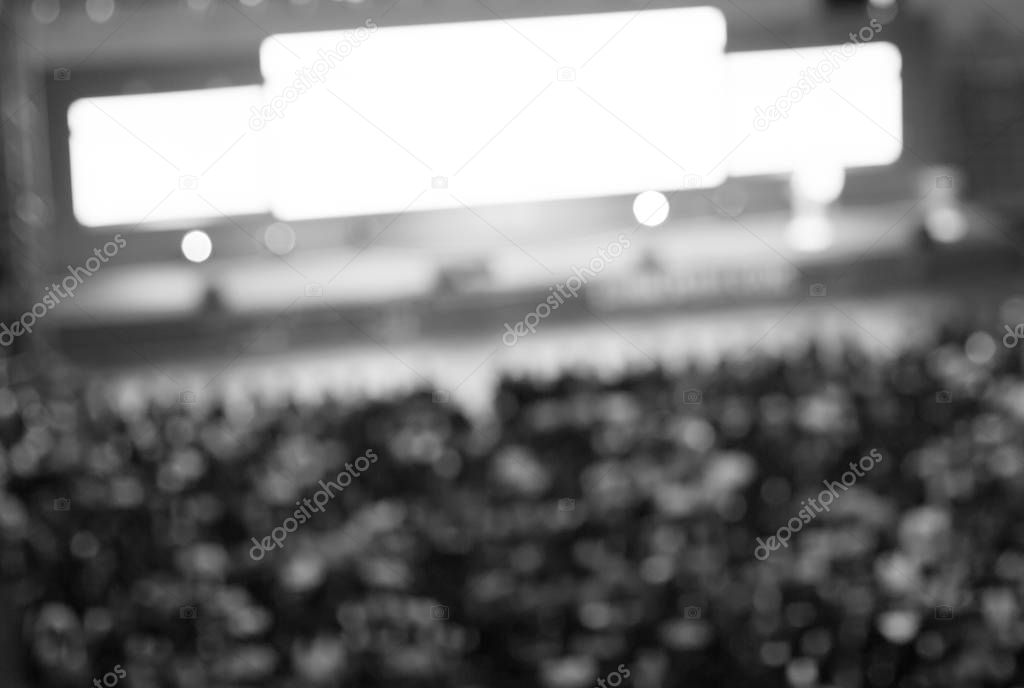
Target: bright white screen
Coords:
[(501, 127), (166, 157), (855, 119), (481, 104)]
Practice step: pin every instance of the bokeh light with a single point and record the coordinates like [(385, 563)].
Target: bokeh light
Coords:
[(651, 208), (196, 246)]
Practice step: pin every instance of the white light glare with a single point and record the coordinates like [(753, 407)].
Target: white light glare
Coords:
[(818, 181), (946, 224), (196, 246), (810, 232), (651, 208)]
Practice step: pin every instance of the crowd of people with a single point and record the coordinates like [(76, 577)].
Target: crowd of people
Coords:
[(586, 533)]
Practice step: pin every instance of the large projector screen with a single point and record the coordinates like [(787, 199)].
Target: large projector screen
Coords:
[(389, 120), (840, 103), (157, 158), (476, 113)]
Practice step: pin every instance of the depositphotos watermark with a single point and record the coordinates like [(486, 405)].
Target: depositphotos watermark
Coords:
[(812, 77), (1013, 336), (615, 678), (573, 285), (111, 678), (58, 291), (814, 506), (277, 536), (308, 77)]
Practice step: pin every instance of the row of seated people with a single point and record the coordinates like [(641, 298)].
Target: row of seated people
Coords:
[(823, 518)]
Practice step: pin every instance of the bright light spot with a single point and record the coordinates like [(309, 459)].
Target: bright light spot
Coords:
[(802, 671), (279, 238), (810, 233), (899, 626), (883, 4), (651, 208), (980, 348), (508, 126), (196, 246), (946, 224), (100, 11), (818, 181)]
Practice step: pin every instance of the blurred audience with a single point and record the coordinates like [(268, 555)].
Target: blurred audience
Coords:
[(586, 532)]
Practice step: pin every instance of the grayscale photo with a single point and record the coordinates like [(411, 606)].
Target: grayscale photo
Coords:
[(505, 343)]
